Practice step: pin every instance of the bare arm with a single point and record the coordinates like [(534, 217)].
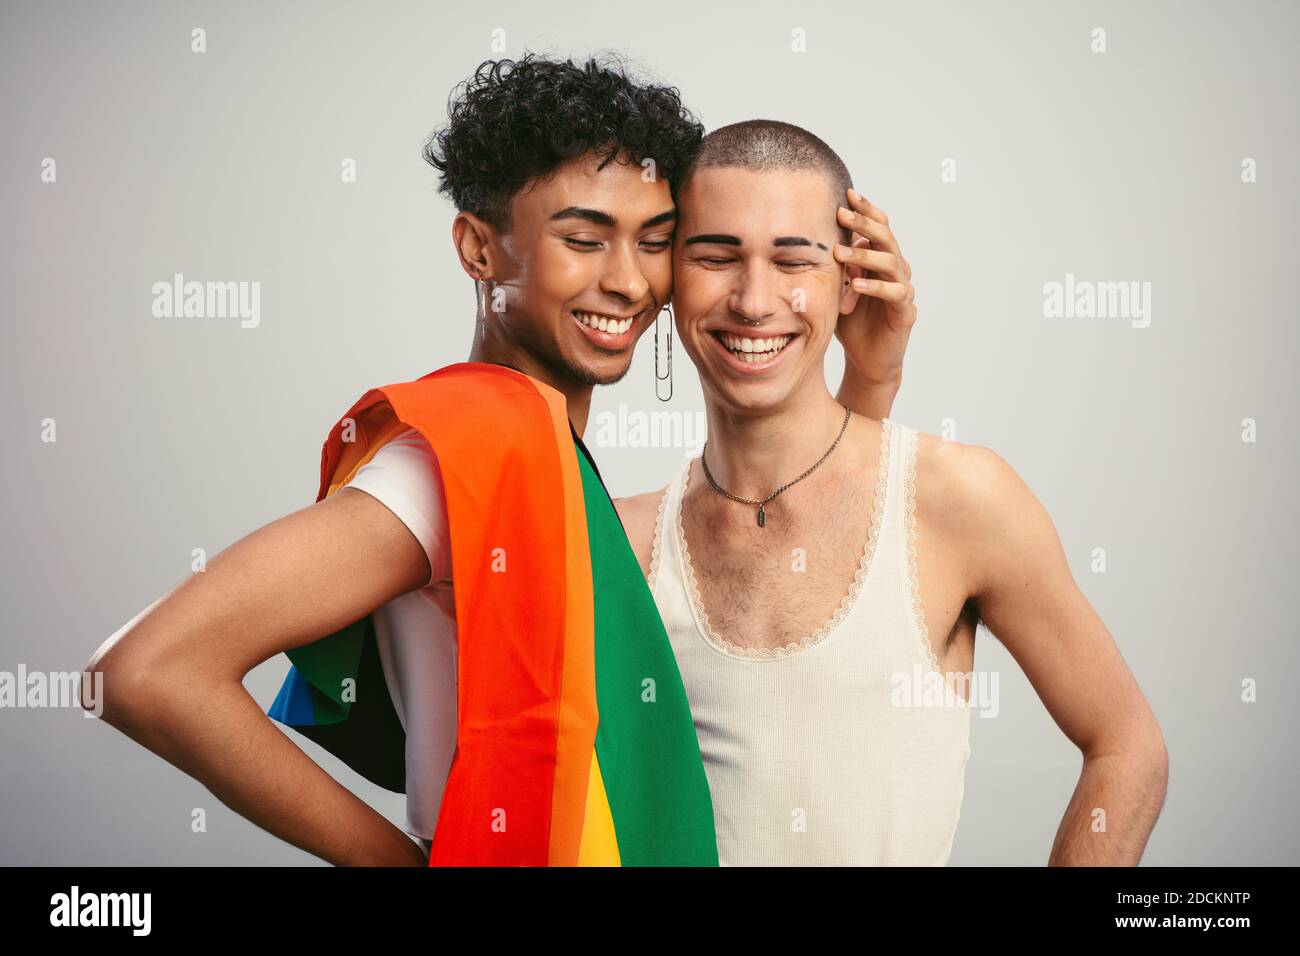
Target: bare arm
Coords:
[(877, 313), (873, 399), (173, 676), (1026, 595), (638, 514)]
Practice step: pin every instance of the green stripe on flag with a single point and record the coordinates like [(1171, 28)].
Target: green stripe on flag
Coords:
[(645, 741)]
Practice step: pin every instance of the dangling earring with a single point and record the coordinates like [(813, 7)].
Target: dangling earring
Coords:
[(481, 288), (668, 377)]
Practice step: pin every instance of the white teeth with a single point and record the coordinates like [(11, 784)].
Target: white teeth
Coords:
[(750, 350), (604, 323)]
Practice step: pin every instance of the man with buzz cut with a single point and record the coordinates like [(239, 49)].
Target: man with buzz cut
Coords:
[(466, 621), (812, 560)]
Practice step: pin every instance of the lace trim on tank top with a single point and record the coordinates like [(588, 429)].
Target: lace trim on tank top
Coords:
[(909, 521), (659, 525), (846, 604)]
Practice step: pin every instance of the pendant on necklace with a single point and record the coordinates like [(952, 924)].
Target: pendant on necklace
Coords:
[(762, 516)]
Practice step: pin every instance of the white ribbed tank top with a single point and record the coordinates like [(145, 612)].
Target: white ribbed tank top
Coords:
[(813, 757)]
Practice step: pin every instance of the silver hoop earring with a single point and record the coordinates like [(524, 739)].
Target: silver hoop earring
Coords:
[(664, 377)]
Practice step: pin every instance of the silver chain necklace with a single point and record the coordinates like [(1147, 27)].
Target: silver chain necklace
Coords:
[(762, 512)]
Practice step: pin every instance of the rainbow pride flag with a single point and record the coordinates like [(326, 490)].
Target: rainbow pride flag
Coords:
[(574, 741)]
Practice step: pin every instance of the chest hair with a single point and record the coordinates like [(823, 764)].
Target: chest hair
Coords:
[(770, 586)]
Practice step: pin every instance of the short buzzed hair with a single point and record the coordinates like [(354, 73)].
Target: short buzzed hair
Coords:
[(761, 145)]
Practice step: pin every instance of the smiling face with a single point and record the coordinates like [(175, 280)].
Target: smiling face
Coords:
[(585, 267), (758, 291)]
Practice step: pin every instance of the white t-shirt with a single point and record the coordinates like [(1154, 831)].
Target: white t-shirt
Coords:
[(416, 632)]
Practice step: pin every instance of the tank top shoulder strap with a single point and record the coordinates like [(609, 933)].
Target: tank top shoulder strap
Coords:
[(670, 503), (888, 521), (894, 471), (899, 531)]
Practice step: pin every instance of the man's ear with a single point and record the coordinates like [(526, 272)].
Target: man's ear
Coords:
[(851, 271), (475, 242)]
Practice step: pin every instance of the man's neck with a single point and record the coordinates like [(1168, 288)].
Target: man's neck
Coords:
[(752, 454), (497, 350)]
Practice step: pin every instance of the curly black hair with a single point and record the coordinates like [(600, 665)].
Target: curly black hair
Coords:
[(516, 120)]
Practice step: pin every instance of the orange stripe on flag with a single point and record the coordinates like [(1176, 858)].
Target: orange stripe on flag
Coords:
[(505, 496), (574, 749)]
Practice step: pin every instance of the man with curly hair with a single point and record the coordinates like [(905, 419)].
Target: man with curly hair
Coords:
[(492, 649)]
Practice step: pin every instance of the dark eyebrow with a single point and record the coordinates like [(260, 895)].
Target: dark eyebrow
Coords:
[(796, 241), (667, 216), (714, 238), (605, 219), (590, 215)]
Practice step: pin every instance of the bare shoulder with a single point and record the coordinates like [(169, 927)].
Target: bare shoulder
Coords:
[(639, 514), (976, 503), (961, 480)]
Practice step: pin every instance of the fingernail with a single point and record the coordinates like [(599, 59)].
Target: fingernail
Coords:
[(845, 211), (854, 194)]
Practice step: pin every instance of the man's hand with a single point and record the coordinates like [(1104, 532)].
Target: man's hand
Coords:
[(875, 332)]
